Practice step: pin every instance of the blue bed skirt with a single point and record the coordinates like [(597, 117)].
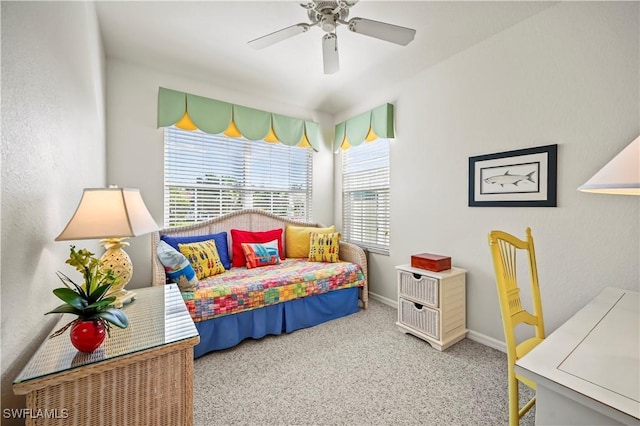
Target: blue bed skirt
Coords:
[(229, 330)]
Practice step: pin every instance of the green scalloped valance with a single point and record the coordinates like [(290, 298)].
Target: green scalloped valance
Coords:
[(368, 126), (191, 112)]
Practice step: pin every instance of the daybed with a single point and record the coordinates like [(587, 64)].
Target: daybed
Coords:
[(243, 303)]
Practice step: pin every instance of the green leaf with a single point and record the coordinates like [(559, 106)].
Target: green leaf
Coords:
[(108, 276), (101, 303), (92, 280), (66, 281), (114, 316), (71, 297), (65, 309), (99, 293), (111, 299)]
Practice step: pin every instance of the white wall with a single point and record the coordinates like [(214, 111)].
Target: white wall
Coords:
[(567, 76), (52, 147), (135, 146)]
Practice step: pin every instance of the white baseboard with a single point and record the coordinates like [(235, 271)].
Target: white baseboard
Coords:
[(385, 300), (471, 335), (486, 340)]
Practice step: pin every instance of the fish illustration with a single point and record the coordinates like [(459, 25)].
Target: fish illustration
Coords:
[(507, 179)]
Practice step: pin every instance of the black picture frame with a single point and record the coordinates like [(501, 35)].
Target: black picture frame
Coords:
[(521, 178)]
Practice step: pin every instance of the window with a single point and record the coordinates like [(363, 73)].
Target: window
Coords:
[(365, 195), (207, 175)]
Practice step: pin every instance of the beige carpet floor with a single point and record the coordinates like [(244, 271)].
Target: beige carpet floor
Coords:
[(357, 370)]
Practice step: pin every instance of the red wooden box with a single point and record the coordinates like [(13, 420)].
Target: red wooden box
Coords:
[(431, 262)]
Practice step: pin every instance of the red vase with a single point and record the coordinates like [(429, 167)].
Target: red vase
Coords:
[(87, 335)]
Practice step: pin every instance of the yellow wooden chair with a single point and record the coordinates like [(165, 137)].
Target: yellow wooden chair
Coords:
[(503, 250)]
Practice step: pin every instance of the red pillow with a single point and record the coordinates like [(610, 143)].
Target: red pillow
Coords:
[(238, 237)]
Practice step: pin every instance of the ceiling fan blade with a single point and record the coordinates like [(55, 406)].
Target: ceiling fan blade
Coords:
[(278, 36), (383, 31), (330, 53)]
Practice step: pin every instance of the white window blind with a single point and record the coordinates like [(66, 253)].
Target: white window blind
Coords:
[(207, 175), (365, 195)]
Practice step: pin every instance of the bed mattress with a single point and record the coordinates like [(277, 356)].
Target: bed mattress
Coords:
[(242, 289)]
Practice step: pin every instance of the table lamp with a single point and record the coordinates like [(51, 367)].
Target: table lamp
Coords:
[(112, 215), (620, 176)]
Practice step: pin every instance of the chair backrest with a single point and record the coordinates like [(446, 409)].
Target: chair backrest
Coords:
[(504, 248)]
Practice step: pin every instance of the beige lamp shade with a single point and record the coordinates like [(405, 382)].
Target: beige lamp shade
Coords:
[(112, 215), (620, 176), (109, 213)]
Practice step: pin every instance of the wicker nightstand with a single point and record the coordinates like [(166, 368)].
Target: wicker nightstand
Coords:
[(142, 375), (432, 305)]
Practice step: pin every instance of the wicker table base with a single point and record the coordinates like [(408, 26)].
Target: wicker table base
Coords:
[(147, 387)]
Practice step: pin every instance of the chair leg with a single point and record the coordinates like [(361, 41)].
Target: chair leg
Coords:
[(514, 414)]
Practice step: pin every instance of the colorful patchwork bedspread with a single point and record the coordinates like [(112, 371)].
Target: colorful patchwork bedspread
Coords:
[(241, 289)]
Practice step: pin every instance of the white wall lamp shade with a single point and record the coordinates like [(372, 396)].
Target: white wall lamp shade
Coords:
[(619, 176), (109, 213)]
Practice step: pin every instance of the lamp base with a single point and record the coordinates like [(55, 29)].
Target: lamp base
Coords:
[(123, 297), (119, 262)]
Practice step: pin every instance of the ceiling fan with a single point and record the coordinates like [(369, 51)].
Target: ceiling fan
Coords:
[(328, 15)]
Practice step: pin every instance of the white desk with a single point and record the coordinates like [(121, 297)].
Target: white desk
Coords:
[(588, 371)]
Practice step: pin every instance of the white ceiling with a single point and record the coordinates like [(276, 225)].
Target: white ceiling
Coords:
[(207, 40)]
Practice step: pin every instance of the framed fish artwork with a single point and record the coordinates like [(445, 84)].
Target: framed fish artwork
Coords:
[(521, 178)]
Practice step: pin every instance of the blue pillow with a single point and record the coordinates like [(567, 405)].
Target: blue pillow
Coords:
[(220, 239)]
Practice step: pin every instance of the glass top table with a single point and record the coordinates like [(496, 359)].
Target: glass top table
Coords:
[(157, 317)]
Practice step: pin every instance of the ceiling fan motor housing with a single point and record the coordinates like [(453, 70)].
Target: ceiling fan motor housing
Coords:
[(328, 13)]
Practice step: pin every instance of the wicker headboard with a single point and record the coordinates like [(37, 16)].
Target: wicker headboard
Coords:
[(249, 220)]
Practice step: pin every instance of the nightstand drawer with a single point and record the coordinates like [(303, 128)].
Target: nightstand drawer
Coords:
[(421, 288), (420, 317)]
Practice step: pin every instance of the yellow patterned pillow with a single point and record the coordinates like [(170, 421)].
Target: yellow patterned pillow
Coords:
[(203, 257), (324, 247), (296, 239)]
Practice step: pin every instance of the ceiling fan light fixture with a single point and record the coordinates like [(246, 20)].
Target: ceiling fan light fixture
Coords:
[(330, 56), (383, 31), (328, 23)]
